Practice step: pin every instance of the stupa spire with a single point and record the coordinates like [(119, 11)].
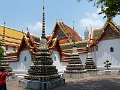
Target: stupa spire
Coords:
[(42, 75), (43, 20)]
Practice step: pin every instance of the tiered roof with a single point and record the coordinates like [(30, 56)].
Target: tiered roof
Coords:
[(29, 42), (64, 33), (13, 37), (65, 37), (61, 34)]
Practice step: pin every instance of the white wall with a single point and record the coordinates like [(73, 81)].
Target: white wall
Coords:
[(21, 65), (61, 66), (104, 53)]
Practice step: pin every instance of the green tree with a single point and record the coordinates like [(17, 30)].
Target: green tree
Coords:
[(110, 8)]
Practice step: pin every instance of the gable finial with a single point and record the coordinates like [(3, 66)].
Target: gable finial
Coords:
[(73, 24), (27, 29), (56, 21), (61, 20), (3, 37), (43, 21)]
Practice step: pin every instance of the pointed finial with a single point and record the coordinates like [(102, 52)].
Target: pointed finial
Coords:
[(4, 21), (22, 31), (61, 20), (73, 24), (27, 29), (43, 22), (56, 21), (3, 38)]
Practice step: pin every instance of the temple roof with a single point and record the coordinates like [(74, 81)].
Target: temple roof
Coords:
[(65, 33), (12, 36), (29, 42), (61, 39), (80, 44), (67, 49)]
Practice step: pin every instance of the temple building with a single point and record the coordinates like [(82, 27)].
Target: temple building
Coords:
[(105, 44), (103, 41), (12, 43)]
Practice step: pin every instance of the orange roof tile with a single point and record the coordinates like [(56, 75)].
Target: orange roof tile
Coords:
[(64, 33)]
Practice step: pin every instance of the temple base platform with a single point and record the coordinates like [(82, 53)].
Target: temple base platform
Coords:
[(38, 85), (92, 72), (75, 74)]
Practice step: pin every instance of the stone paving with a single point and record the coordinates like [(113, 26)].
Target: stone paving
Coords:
[(103, 82)]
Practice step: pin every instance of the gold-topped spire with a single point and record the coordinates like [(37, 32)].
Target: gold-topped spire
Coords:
[(43, 22)]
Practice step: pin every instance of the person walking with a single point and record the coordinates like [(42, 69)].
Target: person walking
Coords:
[(3, 76)]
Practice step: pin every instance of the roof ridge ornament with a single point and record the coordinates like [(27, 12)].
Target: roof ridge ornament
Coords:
[(27, 30), (73, 24)]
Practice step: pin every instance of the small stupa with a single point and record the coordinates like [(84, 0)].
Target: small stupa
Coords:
[(4, 63), (90, 64), (42, 75), (75, 66), (3, 58)]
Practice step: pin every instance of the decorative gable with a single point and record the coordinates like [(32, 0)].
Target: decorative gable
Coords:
[(110, 33), (64, 33)]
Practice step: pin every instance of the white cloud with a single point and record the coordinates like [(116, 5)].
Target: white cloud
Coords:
[(92, 20), (35, 29), (36, 26)]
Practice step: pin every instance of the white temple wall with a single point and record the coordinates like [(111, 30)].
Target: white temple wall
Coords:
[(61, 66), (104, 53), (24, 62)]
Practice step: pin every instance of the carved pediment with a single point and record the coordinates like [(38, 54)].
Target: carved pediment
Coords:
[(110, 34)]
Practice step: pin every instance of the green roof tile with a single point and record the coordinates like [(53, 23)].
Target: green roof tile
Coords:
[(70, 46)]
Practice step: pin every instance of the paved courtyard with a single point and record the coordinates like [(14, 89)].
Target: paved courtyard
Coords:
[(108, 82)]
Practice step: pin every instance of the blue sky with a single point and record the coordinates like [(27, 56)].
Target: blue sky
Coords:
[(28, 13)]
